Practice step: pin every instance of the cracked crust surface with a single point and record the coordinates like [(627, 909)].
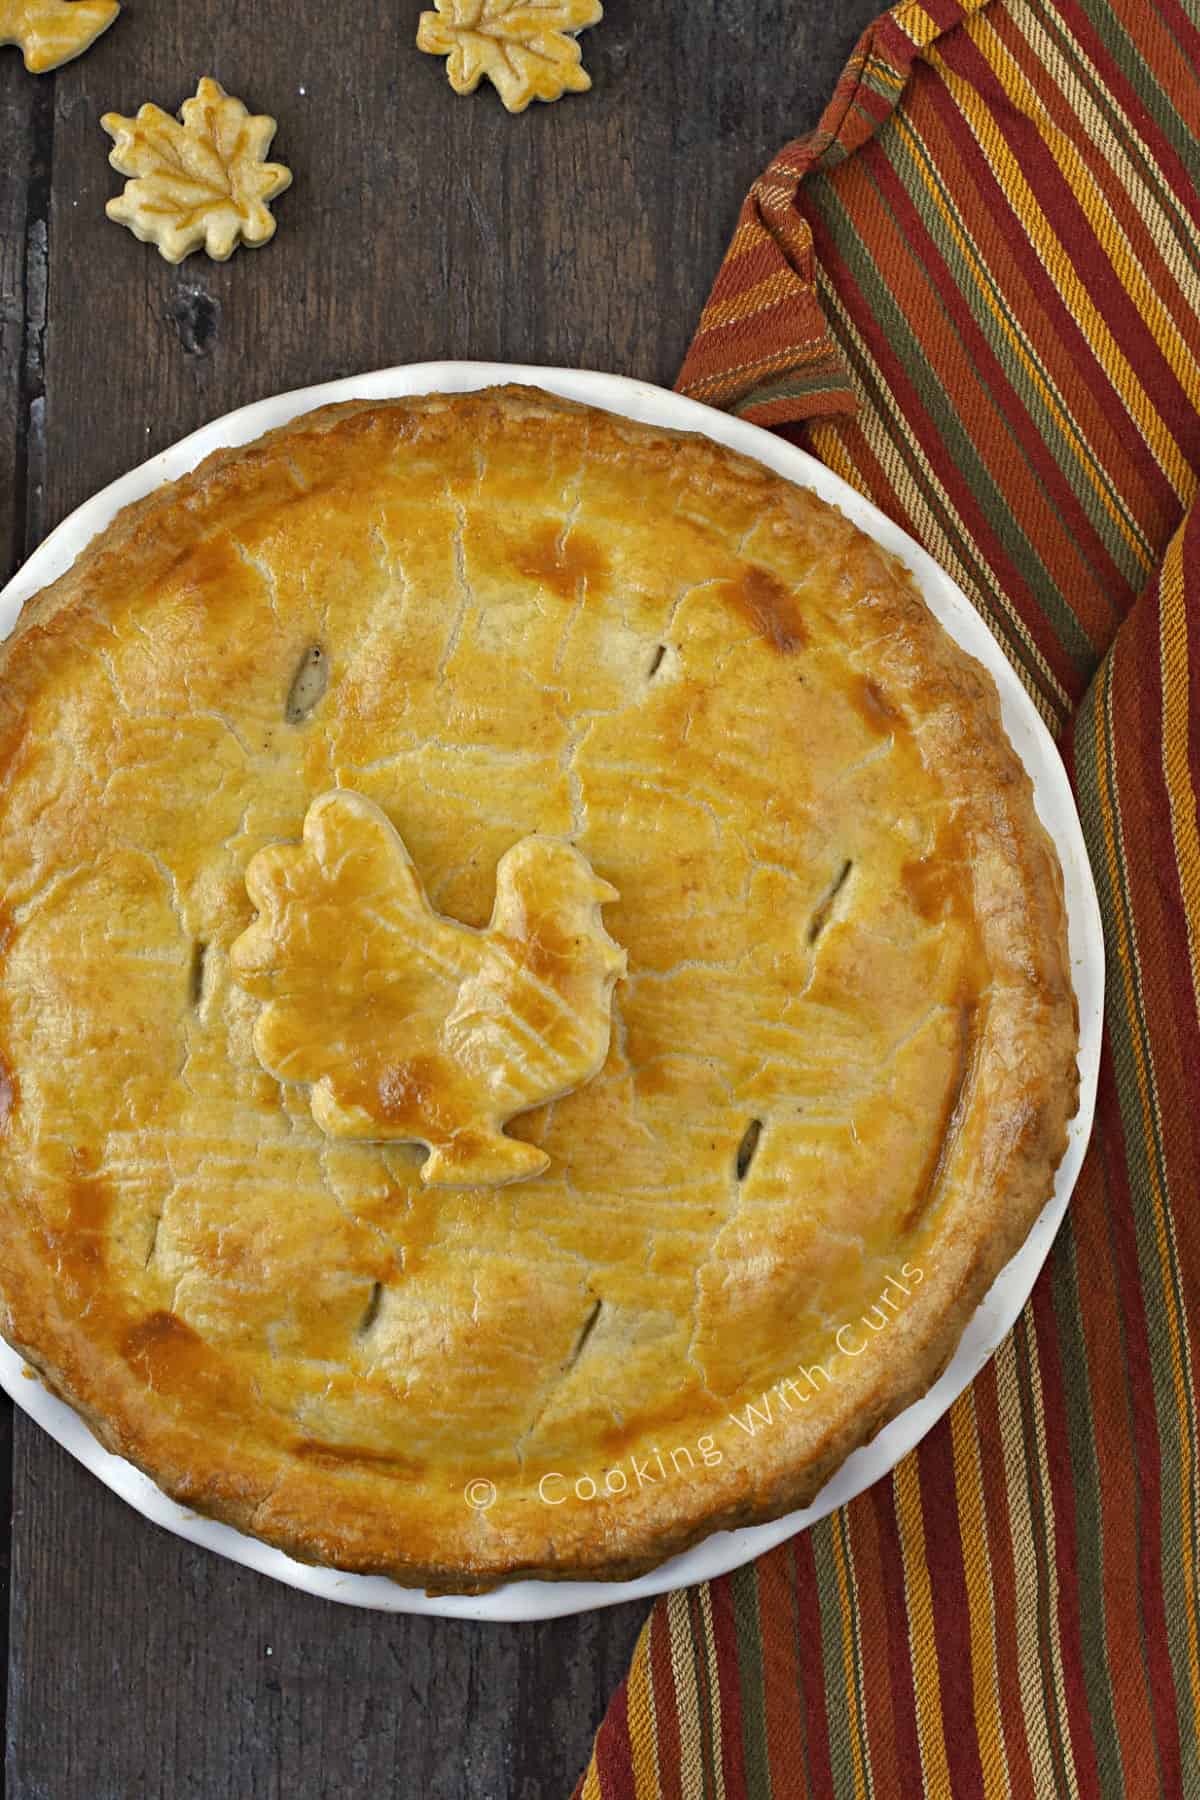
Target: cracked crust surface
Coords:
[(843, 1056)]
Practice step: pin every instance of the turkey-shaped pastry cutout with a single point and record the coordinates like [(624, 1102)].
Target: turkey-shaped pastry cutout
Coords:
[(408, 1026)]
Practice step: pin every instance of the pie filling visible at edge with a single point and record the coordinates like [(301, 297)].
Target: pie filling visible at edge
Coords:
[(842, 1053)]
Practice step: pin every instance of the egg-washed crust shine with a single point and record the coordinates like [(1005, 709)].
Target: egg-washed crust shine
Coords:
[(845, 1045)]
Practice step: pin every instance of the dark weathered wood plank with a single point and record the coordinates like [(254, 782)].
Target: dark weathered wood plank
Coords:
[(23, 201), (420, 225), (146, 1668), (25, 131)]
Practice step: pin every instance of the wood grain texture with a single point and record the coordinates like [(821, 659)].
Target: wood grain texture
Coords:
[(23, 200), (25, 131), (420, 225)]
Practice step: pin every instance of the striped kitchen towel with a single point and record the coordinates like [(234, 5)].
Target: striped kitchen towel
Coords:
[(974, 291)]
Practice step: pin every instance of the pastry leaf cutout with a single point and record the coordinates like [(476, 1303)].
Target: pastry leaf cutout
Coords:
[(525, 48), (407, 1026), (51, 32), (197, 182)]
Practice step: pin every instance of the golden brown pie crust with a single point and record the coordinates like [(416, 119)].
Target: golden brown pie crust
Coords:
[(843, 1055), (407, 1027)]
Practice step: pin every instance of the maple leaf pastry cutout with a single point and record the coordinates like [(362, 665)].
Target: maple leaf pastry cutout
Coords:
[(51, 32), (199, 181), (526, 48), (407, 1026)]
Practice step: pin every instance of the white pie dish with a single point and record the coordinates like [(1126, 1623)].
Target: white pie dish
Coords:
[(722, 1551)]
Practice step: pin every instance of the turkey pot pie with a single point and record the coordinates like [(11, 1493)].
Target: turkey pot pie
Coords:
[(836, 1038)]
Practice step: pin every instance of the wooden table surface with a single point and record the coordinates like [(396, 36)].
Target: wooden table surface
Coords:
[(420, 225)]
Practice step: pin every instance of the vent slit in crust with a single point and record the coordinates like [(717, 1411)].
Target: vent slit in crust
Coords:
[(308, 685), (8, 1094), (371, 1313), (196, 975), (586, 1330), (824, 909), (747, 1148)]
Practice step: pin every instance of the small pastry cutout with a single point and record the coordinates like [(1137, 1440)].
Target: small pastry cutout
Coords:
[(526, 48), (409, 1026), (199, 184), (50, 33)]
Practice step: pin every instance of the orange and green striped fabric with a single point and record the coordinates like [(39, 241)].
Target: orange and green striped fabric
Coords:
[(975, 293)]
